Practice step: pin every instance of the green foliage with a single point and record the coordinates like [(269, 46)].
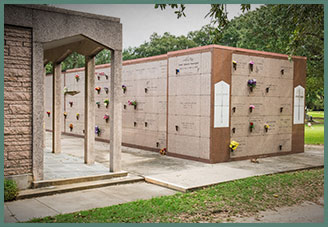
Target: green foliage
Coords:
[(103, 57), (288, 29), (10, 190), (158, 45), (244, 197), (294, 29), (76, 60), (218, 12)]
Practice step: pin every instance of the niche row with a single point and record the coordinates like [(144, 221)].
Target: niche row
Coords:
[(251, 66)]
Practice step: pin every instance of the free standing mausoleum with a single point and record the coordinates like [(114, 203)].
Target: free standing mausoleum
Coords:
[(195, 102)]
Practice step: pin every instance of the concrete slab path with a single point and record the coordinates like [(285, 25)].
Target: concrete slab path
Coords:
[(209, 174), (182, 174), (26, 209), (307, 212)]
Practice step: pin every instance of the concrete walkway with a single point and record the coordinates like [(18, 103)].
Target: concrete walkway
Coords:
[(210, 174), (307, 212), (179, 174), (26, 209)]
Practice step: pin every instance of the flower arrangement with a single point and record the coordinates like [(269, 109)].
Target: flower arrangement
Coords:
[(251, 107), (98, 104), (77, 77), (98, 89), (124, 88), (48, 112), (106, 102), (65, 115), (251, 126), (77, 116), (251, 84), (104, 74), (133, 103), (97, 130), (234, 64), (266, 127), (70, 103), (251, 64), (106, 117), (106, 89), (70, 127), (163, 151), (97, 74), (233, 145)]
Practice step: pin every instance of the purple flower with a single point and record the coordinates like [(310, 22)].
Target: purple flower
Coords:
[(97, 130), (251, 82)]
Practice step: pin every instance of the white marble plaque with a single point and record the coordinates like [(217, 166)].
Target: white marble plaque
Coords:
[(221, 104), (299, 93)]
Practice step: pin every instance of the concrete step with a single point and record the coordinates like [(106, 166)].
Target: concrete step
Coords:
[(44, 191), (56, 182)]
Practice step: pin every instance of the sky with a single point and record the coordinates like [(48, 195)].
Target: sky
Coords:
[(140, 21)]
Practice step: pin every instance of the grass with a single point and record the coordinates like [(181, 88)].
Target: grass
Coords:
[(316, 114), (218, 203), (314, 134)]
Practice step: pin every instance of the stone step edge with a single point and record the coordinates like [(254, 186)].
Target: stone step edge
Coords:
[(55, 182), (166, 184), (183, 189), (31, 193)]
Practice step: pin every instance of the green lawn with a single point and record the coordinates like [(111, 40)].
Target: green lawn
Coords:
[(218, 203), (314, 134), (316, 114)]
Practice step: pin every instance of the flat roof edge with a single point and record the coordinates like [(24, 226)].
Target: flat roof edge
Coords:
[(195, 49), (53, 8), (237, 49)]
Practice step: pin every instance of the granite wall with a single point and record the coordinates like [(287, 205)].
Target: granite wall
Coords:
[(17, 101), (272, 99)]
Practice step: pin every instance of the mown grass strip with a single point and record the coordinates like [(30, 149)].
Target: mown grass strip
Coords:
[(213, 204), (316, 114), (314, 134)]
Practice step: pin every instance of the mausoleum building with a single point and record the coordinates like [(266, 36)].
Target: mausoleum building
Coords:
[(195, 102)]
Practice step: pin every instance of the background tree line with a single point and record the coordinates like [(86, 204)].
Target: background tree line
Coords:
[(287, 29)]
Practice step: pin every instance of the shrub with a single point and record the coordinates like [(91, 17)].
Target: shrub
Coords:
[(10, 190)]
